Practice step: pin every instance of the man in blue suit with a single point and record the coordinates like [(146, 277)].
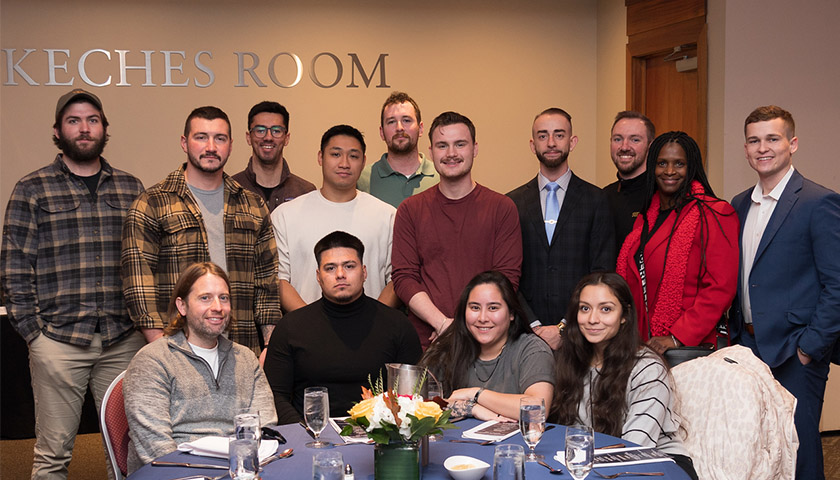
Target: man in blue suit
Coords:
[(788, 305)]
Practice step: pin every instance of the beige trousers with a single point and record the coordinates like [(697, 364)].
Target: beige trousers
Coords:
[(61, 374)]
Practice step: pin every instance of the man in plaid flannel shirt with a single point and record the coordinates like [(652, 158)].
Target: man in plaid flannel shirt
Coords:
[(200, 214), (60, 269)]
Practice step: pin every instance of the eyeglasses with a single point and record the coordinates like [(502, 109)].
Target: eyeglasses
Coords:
[(261, 131)]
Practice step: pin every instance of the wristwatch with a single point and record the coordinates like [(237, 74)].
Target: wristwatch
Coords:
[(475, 398)]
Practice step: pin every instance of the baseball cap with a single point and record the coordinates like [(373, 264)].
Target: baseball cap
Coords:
[(75, 94)]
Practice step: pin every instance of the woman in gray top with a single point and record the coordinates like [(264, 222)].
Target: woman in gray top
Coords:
[(606, 376), (489, 357)]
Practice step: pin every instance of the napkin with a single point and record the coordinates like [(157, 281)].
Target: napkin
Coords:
[(217, 447)]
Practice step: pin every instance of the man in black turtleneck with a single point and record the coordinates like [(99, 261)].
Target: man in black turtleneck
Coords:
[(630, 138), (339, 340)]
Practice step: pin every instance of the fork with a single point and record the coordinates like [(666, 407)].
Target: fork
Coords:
[(639, 474)]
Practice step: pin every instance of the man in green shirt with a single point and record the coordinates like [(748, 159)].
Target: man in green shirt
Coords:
[(402, 171)]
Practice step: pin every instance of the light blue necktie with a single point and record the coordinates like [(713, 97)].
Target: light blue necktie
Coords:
[(552, 209)]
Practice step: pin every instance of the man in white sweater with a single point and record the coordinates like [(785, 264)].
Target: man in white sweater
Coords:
[(337, 205)]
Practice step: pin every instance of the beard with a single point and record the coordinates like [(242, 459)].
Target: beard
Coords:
[(395, 147), (553, 163), (71, 149), (627, 169), (196, 162)]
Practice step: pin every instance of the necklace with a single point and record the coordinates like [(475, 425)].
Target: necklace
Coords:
[(495, 365)]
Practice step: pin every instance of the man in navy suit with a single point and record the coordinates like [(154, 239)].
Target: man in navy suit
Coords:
[(788, 305), (567, 226)]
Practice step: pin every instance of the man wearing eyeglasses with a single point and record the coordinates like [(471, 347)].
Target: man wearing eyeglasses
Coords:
[(267, 173)]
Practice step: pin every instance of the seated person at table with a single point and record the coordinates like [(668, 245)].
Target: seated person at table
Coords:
[(191, 382), (338, 341), (608, 378), (489, 357)]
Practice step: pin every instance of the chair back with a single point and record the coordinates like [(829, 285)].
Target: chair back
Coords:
[(738, 419), (114, 426)]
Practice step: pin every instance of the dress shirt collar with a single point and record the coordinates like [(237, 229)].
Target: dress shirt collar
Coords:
[(777, 191), (563, 181)]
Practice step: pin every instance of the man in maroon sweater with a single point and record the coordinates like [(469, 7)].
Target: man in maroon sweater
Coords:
[(449, 233)]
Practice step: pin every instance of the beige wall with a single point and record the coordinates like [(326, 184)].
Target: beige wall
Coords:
[(612, 80), (779, 52), (495, 61)]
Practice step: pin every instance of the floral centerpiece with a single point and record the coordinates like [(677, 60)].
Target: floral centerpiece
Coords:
[(396, 423)]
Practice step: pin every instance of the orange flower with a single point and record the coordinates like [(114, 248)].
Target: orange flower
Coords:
[(366, 393)]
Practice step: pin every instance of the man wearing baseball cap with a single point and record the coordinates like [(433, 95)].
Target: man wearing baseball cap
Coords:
[(60, 269)]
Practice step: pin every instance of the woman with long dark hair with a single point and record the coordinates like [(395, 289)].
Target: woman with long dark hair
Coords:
[(489, 357), (606, 376), (681, 259)]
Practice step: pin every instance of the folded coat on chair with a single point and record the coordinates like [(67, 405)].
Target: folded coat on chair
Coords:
[(738, 418)]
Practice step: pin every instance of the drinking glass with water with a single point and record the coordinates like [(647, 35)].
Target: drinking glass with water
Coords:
[(244, 460), (328, 465), (509, 462), (532, 424), (580, 450), (316, 413)]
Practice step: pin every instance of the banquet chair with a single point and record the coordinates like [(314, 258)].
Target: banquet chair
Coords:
[(114, 426), (737, 419)]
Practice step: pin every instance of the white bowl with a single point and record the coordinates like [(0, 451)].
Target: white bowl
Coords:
[(476, 469)]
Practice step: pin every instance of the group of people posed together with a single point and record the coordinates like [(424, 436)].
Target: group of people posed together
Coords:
[(219, 293)]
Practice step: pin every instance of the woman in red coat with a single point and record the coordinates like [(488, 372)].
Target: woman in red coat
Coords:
[(681, 259)]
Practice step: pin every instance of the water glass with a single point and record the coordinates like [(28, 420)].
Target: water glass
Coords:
[(509, 462), (328, 465), (244, 460), (532, 423), (246, 424), (580, 450), (316, 412)]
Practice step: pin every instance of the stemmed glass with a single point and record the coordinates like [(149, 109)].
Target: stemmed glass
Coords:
[(532, 424), (580, 450), (316, 412)]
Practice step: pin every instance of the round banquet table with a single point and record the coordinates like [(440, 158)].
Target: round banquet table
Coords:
[(360, 456)]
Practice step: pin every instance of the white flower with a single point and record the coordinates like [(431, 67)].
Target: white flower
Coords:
[(381, 414)]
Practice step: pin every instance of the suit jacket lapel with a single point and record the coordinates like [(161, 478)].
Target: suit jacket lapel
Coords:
[(780, 213), (533, 210), (570, 201)]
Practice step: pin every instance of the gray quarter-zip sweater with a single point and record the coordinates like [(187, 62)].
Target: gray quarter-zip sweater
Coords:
[(171, 395)]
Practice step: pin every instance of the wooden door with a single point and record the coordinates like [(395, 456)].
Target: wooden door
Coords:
[(673, 100)]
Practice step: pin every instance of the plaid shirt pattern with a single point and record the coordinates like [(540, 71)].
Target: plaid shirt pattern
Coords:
[(60, 259), (164, 233)]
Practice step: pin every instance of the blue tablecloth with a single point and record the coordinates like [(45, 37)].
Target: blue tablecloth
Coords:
[(299, 466)]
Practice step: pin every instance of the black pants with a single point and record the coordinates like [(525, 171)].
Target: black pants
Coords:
[(686, 464)]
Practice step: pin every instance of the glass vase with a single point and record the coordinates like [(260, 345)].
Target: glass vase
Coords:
[(397, 461)]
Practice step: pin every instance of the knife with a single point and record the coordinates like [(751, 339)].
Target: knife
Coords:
[(310, 432), (158, 463)]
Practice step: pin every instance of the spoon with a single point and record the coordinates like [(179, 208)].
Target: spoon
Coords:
[(554, 471), (285, 453)]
